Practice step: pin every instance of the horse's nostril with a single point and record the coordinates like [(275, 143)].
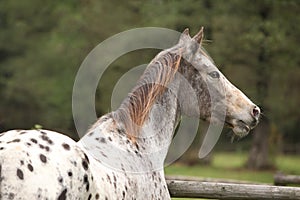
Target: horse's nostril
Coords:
[(256, 112)]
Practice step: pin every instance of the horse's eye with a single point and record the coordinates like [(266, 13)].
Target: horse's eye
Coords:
[(214, 74)]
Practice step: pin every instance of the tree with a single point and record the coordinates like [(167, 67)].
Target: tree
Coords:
[(259, 153)]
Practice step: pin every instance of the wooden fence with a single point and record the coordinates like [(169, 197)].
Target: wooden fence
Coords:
[(282, 179), (197, 188)]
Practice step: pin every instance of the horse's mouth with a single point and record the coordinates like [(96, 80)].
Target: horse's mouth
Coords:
[(239, 127)]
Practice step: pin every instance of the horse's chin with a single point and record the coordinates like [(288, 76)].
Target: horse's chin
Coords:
[(241, 131), (239, 128)]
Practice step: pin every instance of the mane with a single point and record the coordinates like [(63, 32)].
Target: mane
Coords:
[(205, 53), (135, 109)]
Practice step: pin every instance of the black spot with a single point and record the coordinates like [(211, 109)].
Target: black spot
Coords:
[(109, 138), (97, 196), (66, 146), (62, 195), (33, 140), (103, 140), (85, 162), (74, 163), (86, 181), (1, 148), (123, 193), (22, 162), (120, 131), (70, 173), (87, 186), (41, 146), (30, 167), (22, 132), (47, 139), (103, 154), (108, 178), (47, 148), (60, 179), (85, 178), (106, 198), (20, 174), (85, 165), (122, 167), (28, 143), (90, 196), (43, 158), (87, 158), (15, 140), (42, 132)]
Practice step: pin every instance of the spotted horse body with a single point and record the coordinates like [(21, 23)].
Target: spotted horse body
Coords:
[(122, 154), (42, 164)]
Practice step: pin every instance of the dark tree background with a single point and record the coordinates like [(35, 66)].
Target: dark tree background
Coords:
[(255, 44)]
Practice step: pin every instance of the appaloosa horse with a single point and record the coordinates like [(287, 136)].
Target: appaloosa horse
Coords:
[(122, 155)]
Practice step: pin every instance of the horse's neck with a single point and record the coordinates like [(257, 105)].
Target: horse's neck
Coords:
[(150, 112), (109, 143), (156, 133), (138, 134)]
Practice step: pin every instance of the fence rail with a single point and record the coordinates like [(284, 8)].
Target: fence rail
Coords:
[(214, 190), (207, 179), (282, 179)]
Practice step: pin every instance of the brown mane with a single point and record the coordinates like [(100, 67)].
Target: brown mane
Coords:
[(136, 107)]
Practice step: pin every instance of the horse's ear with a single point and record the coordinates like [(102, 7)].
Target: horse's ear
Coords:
[(186, 32), (184, 35), (199, 36)]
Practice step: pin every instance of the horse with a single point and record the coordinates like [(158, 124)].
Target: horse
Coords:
[(122, 154)]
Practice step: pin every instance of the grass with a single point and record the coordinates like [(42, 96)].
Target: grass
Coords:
[(230, 166), (289, 164)]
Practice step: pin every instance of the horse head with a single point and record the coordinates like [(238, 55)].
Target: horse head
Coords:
[(218, 100)]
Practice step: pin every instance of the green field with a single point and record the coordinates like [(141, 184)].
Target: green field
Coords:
[(230, 166)]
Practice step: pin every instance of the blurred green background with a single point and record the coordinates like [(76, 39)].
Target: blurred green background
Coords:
[(255, 43)]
